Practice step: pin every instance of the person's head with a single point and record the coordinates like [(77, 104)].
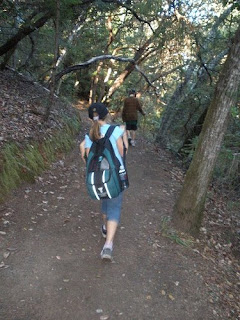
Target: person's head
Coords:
[(97, 112), (132, 92)]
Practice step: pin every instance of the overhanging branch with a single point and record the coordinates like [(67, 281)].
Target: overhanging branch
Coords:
[(102, 57), (134, 13)]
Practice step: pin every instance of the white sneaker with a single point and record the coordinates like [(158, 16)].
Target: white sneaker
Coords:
[(106, 254), (133, 143)]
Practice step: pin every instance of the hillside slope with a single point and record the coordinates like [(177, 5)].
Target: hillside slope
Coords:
[(23, 105)]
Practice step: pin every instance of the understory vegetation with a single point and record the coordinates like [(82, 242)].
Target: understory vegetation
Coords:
[(227, 169), (24, 163)]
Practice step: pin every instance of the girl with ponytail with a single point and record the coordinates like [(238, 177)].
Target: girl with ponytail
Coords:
[(111, 208)]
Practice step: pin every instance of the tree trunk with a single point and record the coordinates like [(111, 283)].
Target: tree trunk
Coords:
[(73, 34), (6, 58), (97, 79), (56, 50), (94, 84), (188, 210)]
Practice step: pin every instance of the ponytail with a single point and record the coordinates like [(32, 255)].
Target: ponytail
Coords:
[(95, 133)]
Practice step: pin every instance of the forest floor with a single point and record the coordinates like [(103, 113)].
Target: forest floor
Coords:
[(51, 242), (50, 239)]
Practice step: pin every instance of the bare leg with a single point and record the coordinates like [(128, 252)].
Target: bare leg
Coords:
[(113, 209), (133, 134), (129, 137), (111, 230)]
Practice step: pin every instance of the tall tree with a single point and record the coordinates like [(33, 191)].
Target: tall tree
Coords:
[(188, 211), (184, 108), (56, 50)]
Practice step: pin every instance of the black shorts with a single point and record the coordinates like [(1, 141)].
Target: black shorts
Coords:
[(131, 125)]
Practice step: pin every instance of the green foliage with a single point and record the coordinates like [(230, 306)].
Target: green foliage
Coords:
[(10, 176), (225, 157), (33, 158), (234, 2), (19, 164), (235, 112), (68, 90), (227, 168), (150, 124)]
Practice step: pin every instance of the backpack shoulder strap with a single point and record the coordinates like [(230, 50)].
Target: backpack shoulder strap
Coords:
[(109, 131)]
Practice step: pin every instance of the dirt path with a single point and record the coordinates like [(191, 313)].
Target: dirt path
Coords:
[(51, 250)]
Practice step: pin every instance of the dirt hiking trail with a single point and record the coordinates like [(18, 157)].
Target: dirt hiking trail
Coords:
[(51, 242)]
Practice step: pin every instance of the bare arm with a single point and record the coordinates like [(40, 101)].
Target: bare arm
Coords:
[(82, 150), (120, 146), (125, 137)]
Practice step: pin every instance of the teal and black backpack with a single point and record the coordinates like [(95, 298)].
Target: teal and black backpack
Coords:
[(102, 172)]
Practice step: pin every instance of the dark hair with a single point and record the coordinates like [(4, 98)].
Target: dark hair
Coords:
[(96, 111), (132, 91)]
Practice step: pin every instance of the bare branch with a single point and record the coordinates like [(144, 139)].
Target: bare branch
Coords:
[(91, 61), (119, 3), (144, 76), (100, 58), (148, 81)]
